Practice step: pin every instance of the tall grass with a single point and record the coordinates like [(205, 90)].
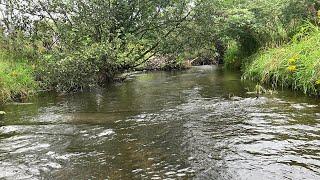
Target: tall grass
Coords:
[(16, 78), (295, 65)]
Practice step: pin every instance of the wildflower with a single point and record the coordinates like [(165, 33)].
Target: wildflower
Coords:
[(318, 82), (292, 68), (292, 60)]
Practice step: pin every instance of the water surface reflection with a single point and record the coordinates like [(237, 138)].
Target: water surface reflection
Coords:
[(198, 124)]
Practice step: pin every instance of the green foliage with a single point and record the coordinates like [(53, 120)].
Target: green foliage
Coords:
[(296, 65), (16, 78), (252, 25), (78, 70), (233, 57), (78, 45), (265, 23)]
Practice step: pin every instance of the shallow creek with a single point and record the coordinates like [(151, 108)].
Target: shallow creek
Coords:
[(196, 124)]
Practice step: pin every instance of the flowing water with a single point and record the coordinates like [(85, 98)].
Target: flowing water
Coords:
[(197, 124)]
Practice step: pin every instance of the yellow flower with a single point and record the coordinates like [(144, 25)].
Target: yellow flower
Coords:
[(292, 60), (318, 82), (292, 68)]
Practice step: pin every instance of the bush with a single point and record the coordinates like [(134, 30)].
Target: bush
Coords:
[(76, 71)]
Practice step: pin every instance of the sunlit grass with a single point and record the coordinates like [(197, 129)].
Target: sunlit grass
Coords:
[(296, 65)]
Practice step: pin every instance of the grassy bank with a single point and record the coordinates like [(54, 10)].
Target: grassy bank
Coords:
[(16, 79), (295, 65), (73, 72)]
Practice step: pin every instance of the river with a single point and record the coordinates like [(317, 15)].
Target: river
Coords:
[(195, 124)]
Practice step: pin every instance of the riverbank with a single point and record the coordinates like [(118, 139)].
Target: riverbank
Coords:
[(19, 79), (295, 65), (16, 79)]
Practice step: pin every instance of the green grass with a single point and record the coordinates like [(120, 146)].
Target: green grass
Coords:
[(295, 65), (16, 78)]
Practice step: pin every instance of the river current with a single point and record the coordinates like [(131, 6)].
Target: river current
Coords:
[(196, 124)]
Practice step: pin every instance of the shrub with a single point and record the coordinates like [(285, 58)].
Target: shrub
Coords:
[(77, 71)]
